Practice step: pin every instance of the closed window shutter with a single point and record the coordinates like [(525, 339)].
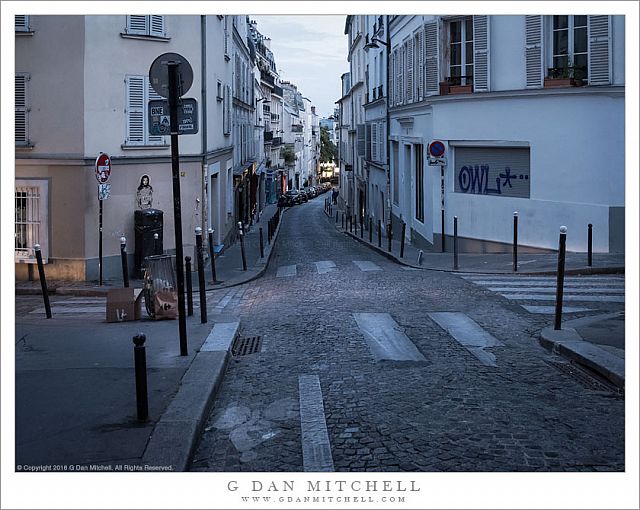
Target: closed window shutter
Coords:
[(367, 140), (374, 142), (401, 75), (21, 129), (360, 134), (409, 64), (151, 95), (227, 110), (432, 71), (135, 110), (481, 53), (156, 24), (533, 51), (382, 141), (22, 23), (599, 50), (137, 25), (419, 77), (393, 79)]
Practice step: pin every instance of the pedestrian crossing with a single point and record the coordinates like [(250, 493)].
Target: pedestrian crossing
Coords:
[(577, 289), (327, 266), (75, 307)]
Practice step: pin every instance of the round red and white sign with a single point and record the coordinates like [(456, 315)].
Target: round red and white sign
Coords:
[(436, 148), (103, 168)]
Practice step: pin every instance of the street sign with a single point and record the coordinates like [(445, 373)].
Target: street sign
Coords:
[(159, 122), (159, 74), (103, 168), (437, 161), (436, 148), (104, 191)]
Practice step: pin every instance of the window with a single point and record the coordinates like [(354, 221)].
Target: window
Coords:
[(22, 110), (151, 26), (570, 48), (461, 51), (419, 183), (22, 23), (139, 92), (31, 214)]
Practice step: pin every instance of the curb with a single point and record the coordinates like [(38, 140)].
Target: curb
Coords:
[(174, 436), (568, 343)]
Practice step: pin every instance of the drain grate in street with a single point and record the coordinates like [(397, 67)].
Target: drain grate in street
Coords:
[(586, 378), (246, 346)]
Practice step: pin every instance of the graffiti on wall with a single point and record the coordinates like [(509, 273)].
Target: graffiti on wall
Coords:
[(475, 179)]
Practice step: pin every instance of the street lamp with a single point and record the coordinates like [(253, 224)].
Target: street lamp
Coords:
[(374, 44)]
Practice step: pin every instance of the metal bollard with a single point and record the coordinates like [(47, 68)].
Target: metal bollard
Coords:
[(123, 255), (379, 234), (336, 216), (261, 245), (515, 241), (370, 229), (140, 364), (420, 255), (187, 275), (155, 244), (244, 257), (560, 282), (43, 281), (590, 246), (212, 255), (389, 234), (455, 242), (342, 221), (201, 287), (404, 229), (361, 231)]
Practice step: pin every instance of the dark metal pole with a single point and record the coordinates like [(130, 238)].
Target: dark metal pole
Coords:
[(177, 209), (244, 257), (389, 235), (455, 242), (140, 364), (590, 246), (342, 221), (155, 244), (404, 229), (379, 234), (370, 229), (261, 245), (560, 282), (212, 255), (201, 285), (100, 243), (361, 231), (336, 216), (442, 222), (515, 241), (187, 261), (123, 255), (43, 281)]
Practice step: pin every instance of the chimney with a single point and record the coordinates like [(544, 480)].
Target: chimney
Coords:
[(313, 110)]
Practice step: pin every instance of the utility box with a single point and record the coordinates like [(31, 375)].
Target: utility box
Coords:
[(124, 305), (147, 222)]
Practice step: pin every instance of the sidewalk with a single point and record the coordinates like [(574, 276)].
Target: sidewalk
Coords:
[(595, 341), (75, 378)]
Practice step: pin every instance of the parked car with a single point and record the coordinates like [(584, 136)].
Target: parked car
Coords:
[(290, 198), (303, 196), (311, 192)]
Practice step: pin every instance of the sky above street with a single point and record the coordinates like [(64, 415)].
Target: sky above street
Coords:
[(310, 51)]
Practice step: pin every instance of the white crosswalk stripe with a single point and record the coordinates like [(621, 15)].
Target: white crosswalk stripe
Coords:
[(76, 306), (580, 289), (367, 265)]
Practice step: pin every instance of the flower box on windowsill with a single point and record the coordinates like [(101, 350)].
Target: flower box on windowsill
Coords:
[(460, 89), (563, 82)]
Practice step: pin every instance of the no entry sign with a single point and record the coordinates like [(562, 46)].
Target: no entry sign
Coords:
[(103, 168)]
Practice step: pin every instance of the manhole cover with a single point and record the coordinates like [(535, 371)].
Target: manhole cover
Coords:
[(247, 345), (585, 377)]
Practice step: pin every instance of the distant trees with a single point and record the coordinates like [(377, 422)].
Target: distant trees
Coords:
[(288, 155), (328, 150)]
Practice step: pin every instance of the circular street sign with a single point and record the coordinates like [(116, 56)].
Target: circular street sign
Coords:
[(103, 168), (436, 148), (159, 74)]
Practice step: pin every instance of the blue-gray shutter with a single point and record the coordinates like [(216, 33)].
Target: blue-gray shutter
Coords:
[(135, 110), (21, 124), (137, 25), (409, 69), (481, 53), (360, 135), (419, 77), (156, 26), (151, 95), (533, 47), (599, 50), (432, 71)]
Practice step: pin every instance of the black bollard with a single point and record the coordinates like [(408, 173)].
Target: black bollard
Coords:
[(590, 246), (140, 364), (212, 255), (455, 242), (379, 234), (560, 282), (261, 245), (244, 257), (187, 274), (342, 221), (389, 234), (201, 286), (404, 229), (336, 216), (515, 241), (370, 229), (361, 232), (123, 255), (43, 281)]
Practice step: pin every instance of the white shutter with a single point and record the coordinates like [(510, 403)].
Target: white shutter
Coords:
[(533, 47), (599, 50), (409, 67), (21, 128), (226, 121), (137, 25), (374, 142), (151, 95), (367, 140), (22, 23), (135, 110), (481, 53), (156, 26), (432, 71), (393, 82), (382, 141), (419, 76), (401, 64)]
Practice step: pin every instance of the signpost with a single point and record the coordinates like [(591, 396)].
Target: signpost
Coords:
[(103, 173), (436, 158), (171, 76), (159, 117)]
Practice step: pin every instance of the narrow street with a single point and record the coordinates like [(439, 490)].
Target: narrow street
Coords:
[(365, 365)]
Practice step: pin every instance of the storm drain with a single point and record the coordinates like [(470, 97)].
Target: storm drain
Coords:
[(247, 345), (586, 378)]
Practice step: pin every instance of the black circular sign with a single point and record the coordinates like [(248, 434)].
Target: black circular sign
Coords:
[(159, 74)]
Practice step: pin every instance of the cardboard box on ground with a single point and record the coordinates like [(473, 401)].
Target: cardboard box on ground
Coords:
[(124, 304)]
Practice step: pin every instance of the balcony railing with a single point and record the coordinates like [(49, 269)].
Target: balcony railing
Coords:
[(296, 128), (276, 141), (267, 78), (275, 118), (277, 91), (268, 136)]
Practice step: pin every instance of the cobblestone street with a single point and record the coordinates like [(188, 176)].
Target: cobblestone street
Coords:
[(509, 405)]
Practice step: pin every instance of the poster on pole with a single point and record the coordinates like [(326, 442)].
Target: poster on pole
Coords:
[(104, 191)]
